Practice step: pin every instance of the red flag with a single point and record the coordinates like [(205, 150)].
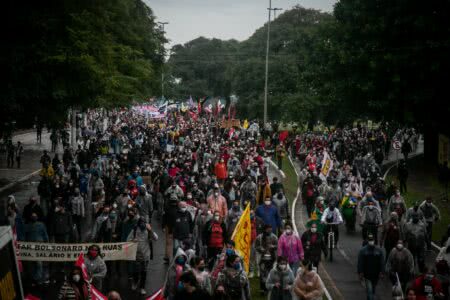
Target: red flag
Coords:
[(283, 135), (158, 295), (193, 115), (199, 107), (31, 297)]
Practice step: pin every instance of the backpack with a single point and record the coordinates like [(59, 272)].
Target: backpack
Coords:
[(233, 285)]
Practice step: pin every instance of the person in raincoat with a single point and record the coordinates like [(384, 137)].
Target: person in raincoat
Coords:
[(178, 266), (308, 285), (290, 246), (280, 281)]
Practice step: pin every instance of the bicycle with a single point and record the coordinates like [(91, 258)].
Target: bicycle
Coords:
[(331, 243)]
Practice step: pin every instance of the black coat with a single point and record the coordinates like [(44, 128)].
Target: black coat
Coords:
[(313, 250)]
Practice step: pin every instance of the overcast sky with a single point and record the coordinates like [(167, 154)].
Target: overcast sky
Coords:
[(223, 19)]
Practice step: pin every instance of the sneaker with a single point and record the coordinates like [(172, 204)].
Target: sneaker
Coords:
[(143, 292)]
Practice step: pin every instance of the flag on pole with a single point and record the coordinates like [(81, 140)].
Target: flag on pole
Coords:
[(242, 237), (158, 295), (191, 102), (199, 107)]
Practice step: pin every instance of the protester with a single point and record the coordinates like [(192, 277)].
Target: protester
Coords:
[(95, 266), (189, 289), (432, 215), (232, 283), (290, 246), (142, 234), (178, 266), (280, 281), (370, 266), (400, 263), (308, 285), (75, 287), (314, 244), (426, 286)]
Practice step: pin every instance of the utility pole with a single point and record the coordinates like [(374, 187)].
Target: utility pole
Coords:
[(267, 65), (275, 12), (162, 68)]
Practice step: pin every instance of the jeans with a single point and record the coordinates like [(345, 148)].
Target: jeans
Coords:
[(294, 267), (371, 284)]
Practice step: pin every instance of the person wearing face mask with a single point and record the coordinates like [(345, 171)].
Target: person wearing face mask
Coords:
[(75, 287), (291, 247), (267, 213), (280, 280), (331, 218), (197, 194), (314, 244), (217, 202), (36, 231), (432, 215), (144, 204), (391, 233), (183, 226), (416, 239), (234, 214), (400, 261), (427, 286), (397, 204), (102, 229), (190, 289), (370, 266), (414, 210), (95, 266), (220, 170), (232, 283), (307, 284), (30, 208), (78, 210), (370, 220), (177, 267), (264, 191), (142, 234), (61, 225), (198, 266), (281, 203), (214, 236)]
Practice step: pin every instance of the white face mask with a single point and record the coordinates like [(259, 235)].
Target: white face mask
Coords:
[(371, 243), (183, 209), (268, 202), (216, 194), (115, 205), (283, 267), (76, 277), (129, 206), (288, 231), (313, 230), (216, 218)]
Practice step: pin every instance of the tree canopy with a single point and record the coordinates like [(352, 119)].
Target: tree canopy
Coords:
[(77, 53)]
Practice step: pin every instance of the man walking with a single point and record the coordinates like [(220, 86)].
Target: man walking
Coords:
[(19, 153), (370, 266), (431, 214)]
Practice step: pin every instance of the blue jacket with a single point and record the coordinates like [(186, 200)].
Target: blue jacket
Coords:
[(36, 232), (269, 215), (370, 262)]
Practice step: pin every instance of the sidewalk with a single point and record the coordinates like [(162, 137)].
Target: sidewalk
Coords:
[(30, 159)]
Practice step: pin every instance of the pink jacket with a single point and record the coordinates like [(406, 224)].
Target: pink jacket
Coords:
[(219, 204), (290, 246)]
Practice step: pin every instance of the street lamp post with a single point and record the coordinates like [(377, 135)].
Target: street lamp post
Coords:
[(275, 12), (267, 65), (162, 68)]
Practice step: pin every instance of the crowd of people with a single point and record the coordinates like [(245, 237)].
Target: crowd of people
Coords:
[(395, 237), (196, 178)]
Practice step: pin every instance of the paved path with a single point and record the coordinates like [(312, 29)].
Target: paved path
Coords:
[(340, 276)]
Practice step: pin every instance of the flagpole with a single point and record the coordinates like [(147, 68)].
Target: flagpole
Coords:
[(267, 65)]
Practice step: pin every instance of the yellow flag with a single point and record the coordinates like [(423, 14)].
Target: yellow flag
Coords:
[(242, 237), (245, 125)]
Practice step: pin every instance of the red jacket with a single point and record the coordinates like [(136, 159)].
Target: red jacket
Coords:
[(220, 169), (420, 287)]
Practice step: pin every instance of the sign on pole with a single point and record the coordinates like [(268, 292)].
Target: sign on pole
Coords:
[(396, 145)]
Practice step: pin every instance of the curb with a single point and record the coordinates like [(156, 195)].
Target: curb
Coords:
[(24, 178), (276, 167), (294, 202)]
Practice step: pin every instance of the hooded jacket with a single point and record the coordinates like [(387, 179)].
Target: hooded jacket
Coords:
[(290, 246), (308, 286), (173, 274), (284, 278)]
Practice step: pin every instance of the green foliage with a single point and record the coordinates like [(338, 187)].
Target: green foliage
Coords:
[(62, 54)]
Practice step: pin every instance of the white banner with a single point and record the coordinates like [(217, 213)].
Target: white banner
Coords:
[(36, 251), (327, 166)]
